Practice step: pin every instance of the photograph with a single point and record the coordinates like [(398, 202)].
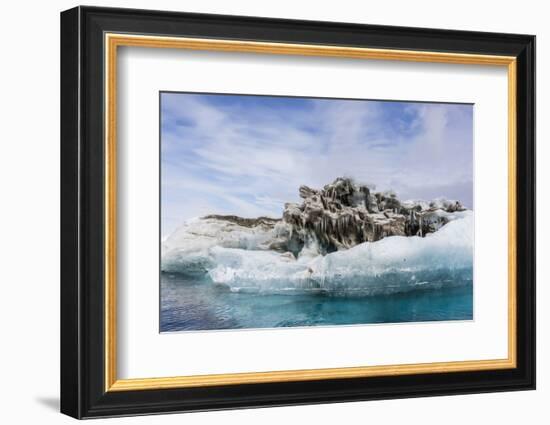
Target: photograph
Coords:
[(280, 211)]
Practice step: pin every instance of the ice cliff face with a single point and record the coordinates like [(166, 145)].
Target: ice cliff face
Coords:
[(343, 222)]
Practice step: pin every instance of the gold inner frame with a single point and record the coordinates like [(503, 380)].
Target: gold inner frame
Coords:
[(113, 41)]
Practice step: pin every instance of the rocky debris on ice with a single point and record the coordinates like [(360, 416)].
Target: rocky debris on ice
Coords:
[(344, 214)]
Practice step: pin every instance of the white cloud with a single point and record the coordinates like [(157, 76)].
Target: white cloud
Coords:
[(249, 160)]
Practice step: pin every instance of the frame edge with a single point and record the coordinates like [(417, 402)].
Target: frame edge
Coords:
[(526, 220), (70, 349)]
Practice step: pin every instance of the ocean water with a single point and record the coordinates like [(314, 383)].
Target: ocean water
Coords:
[(189, 303)]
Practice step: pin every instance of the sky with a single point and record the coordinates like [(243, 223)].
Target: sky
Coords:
[(248, 155)]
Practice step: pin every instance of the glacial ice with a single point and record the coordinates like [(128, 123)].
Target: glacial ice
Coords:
[(200, 233), (236, 258), (186, 250)]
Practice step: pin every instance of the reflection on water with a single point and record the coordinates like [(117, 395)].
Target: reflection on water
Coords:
[(187, 304)]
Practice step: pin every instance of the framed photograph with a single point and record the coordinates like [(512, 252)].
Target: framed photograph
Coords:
[(261, 212)]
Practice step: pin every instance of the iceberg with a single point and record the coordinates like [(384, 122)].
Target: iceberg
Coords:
[(342, 240), (394, 264)]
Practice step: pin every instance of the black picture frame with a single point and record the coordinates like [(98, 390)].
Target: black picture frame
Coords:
[(83, 392)]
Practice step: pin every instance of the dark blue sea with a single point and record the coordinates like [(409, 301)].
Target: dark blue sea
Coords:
[(191, 304)]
